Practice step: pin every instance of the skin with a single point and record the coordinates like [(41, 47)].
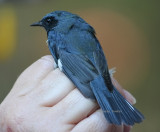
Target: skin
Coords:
[(43, 99)]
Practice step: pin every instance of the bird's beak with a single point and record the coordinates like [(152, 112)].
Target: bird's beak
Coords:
[(37, 24)]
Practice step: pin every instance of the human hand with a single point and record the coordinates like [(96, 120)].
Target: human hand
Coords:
[(43, 99)]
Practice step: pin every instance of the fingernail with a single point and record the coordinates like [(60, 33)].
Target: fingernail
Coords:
[(127, 128), (129, 97)]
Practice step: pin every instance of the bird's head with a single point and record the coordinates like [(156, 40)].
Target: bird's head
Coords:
[(62, 21)]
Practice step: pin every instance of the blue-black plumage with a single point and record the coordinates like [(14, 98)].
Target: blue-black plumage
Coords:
[(72, 42)]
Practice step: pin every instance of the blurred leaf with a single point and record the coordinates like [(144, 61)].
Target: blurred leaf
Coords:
[(8, 33)]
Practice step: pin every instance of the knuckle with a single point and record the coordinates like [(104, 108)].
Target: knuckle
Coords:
[(48, 59), (9, 121)]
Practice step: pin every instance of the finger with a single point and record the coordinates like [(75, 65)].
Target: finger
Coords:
[(125, 93), (127, 128), (53, 88), (33, 75), (75, 107), (96, 123)]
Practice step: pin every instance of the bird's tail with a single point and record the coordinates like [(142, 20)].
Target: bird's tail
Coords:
[(117, 110)]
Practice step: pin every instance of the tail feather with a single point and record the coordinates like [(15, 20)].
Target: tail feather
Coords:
[(134, 116), (107, 108), (116, 108), (122, 107), (107, 104)]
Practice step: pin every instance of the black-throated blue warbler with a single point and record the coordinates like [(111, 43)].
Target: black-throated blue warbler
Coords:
[(77, 52)]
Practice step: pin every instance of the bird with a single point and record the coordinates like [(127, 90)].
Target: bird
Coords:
[(79, 55)]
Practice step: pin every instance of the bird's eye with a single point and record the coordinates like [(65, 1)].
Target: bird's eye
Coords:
[(48, 20)]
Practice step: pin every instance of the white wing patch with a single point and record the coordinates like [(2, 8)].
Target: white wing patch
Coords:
[(112, 71), (60, 64), (47, 42)]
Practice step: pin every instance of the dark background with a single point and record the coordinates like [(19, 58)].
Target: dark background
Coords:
[(128, 32)]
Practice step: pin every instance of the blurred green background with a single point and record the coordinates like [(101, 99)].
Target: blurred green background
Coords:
[(128, 32)]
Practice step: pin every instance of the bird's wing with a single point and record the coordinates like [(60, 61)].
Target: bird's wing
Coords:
[(100, 61), (102, 67), (80, 70)]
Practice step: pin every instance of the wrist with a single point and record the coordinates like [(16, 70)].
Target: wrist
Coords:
[(3, 126)]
